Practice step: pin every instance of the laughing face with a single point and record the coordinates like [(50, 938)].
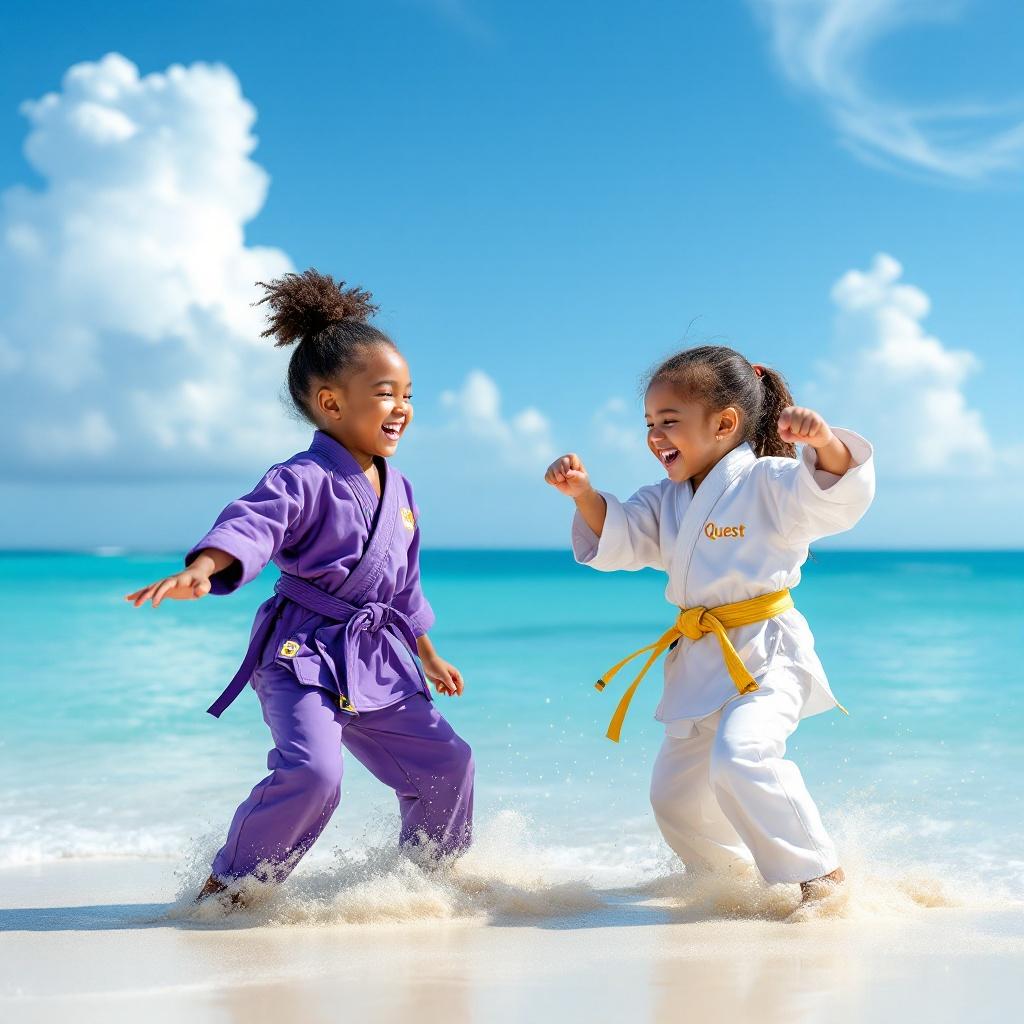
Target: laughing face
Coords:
[(370, 410), (684, 436)]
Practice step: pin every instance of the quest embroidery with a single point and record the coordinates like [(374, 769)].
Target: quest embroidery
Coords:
[(289, 649), (713, 532), (409, 519)]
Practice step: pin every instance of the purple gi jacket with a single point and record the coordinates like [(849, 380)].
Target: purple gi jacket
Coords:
[(317, 517)]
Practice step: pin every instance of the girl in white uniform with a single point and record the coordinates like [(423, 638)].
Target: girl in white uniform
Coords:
[(730, 524)]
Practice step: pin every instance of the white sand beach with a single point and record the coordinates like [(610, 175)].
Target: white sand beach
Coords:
[(107, 941)]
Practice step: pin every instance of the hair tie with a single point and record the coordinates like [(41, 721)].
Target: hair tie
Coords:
[(758, 369)]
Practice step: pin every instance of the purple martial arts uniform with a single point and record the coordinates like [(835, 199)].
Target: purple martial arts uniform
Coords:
[(331, 658)]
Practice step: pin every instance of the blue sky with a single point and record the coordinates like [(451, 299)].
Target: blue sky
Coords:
[(544, 199)]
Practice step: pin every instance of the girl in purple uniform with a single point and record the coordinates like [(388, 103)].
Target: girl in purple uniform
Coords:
[(332, 655)]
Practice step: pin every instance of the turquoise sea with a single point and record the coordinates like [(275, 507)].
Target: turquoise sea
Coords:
[(106, 750)]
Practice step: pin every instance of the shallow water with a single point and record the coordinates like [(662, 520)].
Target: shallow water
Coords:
[(107, 751)]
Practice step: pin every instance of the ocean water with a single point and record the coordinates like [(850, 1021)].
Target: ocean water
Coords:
[(106, 750)]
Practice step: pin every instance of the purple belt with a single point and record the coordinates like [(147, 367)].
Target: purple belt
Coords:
[(356, 618)]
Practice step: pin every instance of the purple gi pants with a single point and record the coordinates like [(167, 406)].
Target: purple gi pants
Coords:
[(408, 746)]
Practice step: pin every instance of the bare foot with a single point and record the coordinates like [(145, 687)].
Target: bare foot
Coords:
[(820, 888), (213, 887)]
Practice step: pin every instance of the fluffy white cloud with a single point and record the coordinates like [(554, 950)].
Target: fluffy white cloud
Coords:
[(128, 344), (899, 384), (823, 47), (478, 470), (476, 421)]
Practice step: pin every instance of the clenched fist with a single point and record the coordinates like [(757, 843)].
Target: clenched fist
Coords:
[(805, 426), (798, 425), (568, 475)]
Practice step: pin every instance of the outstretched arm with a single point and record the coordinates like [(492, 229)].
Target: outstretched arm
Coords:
[(188, 585), (247, 534)]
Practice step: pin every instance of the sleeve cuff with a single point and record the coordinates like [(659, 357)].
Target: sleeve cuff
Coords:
[(857, 481), (599, 552), (422, 622), (246, 566)]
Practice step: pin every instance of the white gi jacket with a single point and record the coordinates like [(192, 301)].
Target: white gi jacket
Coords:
[(744, 533)]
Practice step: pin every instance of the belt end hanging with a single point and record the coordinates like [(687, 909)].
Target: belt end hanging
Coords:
[(600, 684)]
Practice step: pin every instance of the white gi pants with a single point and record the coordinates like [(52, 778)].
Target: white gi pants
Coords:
[(725, 797)]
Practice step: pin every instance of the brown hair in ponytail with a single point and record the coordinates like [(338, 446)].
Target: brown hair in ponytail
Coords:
[(718, 377), (775, 397)]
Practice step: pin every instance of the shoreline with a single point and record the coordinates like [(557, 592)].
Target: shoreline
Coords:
[(106, 940)]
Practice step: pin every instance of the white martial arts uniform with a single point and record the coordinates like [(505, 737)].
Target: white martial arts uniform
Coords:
[(722, 791)]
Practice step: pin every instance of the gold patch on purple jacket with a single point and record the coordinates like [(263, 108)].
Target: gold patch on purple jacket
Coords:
[(409, 519), (289, 649)]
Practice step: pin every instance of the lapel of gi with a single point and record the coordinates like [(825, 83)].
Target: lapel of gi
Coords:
[(723, 478), (366, 575), (381, 515)]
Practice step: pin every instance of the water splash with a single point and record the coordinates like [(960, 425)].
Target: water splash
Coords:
[(510, 873), (504, 874), (883, 881)]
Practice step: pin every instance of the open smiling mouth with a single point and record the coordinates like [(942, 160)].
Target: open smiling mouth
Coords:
[(392, 430), (668, 456)]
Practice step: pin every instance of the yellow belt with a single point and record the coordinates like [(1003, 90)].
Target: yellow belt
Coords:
[(693, 623)]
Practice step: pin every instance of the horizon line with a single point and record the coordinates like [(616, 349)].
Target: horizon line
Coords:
[(115, 551)]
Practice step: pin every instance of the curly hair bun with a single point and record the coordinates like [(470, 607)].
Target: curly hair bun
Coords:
[(302, 305)]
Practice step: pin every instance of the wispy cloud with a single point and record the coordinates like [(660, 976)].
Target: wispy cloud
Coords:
[(462, 14), (823, 46)]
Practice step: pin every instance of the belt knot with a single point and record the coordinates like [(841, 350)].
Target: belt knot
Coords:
[(692, 623), (373, 616)]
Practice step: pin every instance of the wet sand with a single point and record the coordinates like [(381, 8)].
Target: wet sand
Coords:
[(106, 941)]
